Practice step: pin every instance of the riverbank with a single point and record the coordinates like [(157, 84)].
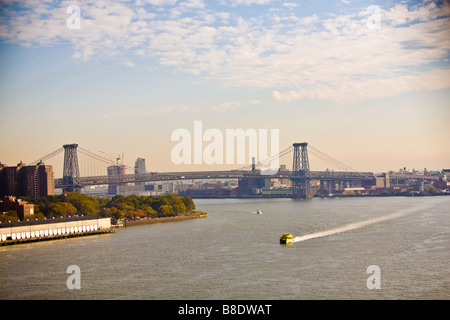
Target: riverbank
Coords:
[(196, 215), (375, 195)]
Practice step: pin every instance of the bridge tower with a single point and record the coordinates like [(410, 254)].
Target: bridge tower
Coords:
[(71, 171), (301, 180)]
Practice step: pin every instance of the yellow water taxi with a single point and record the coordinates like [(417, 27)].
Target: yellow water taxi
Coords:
[(286, 238)]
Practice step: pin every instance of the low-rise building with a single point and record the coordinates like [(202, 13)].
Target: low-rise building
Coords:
[(24, 209), (383, 181)]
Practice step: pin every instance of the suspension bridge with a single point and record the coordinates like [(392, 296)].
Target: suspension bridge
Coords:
[(298, 154)]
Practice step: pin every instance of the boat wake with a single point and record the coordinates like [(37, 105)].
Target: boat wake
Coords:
[(358, 225)]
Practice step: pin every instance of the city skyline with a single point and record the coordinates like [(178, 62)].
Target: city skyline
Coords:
[(366, 82)]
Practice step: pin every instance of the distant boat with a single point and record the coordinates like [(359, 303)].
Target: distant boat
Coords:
[(258, 211)]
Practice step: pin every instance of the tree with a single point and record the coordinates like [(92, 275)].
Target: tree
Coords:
[(165, 211), (189, 203), (61, 209), (113, 212), (151, 213), (179, 208), (85, 205), (159, 202), (10, 216), (132, 214), (118, 207), (431, 191), (38, 215)]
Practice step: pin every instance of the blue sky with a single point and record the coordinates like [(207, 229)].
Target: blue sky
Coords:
[(135, 71)]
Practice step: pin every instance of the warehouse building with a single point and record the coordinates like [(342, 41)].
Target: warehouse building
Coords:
[(49, 229)]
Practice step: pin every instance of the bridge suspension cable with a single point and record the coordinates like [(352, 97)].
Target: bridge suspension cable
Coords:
[(270, 159), (329, 160), (100, 158), (314, 151), (48, 156)]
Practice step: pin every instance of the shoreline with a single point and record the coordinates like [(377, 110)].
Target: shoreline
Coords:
[(160, 220), (325, 196)]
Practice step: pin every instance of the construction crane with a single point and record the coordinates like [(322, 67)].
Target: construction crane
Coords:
[(118, 158)]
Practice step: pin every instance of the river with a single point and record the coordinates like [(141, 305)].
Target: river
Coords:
[(235, 254)]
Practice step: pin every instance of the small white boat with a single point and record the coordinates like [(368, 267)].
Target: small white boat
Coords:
[(258, 211)]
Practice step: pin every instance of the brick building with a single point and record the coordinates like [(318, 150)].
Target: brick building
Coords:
[(24, 210), (27, 181)]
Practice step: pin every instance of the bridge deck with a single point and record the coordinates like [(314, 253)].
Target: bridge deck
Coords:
[(194, 175)]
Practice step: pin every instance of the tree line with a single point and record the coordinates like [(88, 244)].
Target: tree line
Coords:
[(119, 207)]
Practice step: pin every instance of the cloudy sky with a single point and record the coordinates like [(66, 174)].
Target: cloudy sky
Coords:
[(367, 82)]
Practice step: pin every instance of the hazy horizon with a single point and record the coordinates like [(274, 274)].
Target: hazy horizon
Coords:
[(373, 94)]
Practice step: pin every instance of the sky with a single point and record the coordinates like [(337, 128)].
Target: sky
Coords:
[(366, 82)]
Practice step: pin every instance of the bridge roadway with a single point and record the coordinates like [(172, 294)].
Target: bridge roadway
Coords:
[(413, 176), (194, 175)]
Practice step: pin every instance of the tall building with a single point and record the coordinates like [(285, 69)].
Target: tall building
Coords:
[(45, 180), (116, 170), (139, 168), (2, 179), (27, 181), (8, 180), (27, 177)]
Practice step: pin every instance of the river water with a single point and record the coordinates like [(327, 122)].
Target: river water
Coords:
[(235, 254)]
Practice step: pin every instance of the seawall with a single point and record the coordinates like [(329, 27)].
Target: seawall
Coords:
[(163, 219)]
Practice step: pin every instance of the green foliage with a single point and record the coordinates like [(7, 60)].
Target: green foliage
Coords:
[(189, 203), (57, 206), (113, 212), (119, 207), (84, 204), (165, 211), (431, 191), (10, 216), (60, 209)]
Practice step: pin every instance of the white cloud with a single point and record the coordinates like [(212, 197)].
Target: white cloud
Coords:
[(226, 106), (290, 5), (153, 111), (352, 91), (129, 64), (246, 2), (294, 56), (160, 2), (400, 14)]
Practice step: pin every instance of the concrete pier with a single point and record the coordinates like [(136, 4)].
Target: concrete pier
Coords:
[(52, 229)]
